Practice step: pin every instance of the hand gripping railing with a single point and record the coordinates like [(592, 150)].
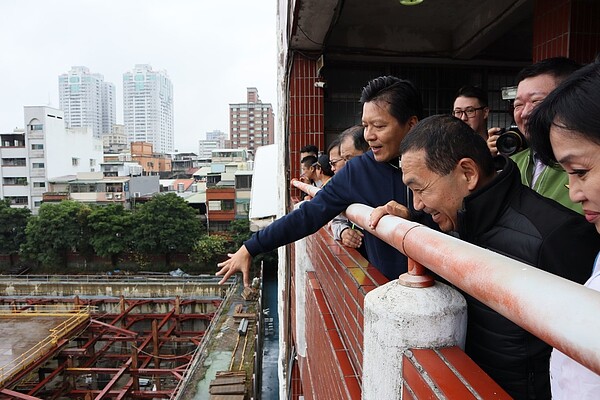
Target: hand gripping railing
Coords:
[(305, 187), (562, 313)]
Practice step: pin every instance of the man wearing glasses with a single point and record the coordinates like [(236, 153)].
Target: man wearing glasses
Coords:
[(350, 143), (471, 105)]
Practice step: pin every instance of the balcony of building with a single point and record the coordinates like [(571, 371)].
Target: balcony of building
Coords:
[(330, 50), (354, 334)]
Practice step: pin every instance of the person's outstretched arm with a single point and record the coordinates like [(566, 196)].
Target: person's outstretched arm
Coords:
[(237, 262)]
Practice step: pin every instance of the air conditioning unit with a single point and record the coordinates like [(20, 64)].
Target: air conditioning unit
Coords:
[(118, 196), (109, 196)]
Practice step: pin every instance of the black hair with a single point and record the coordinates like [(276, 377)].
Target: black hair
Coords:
[(323, 163), (310, 148), (574, 105), (446, 140), (558, 67), (308, 161), (403, 98), (357, 133), (475, 92), (335, 144)]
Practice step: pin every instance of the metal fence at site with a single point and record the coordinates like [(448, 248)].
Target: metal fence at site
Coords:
[(105, 278)]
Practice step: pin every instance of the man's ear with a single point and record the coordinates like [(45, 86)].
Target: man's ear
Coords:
[(412, 121), (470, 173)]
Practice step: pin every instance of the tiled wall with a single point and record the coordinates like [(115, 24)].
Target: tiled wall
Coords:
[(569, 28), (306, 121)]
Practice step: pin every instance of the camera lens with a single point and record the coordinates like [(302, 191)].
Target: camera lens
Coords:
[(509, 143)]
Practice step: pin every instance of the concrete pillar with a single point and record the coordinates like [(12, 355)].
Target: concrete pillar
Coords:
[(303, 266), (398, 318)]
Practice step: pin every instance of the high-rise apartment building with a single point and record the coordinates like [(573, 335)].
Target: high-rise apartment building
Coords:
[(148, 107), (87, 100), (251, 124)]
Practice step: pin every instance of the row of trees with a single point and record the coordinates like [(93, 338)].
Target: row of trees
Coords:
[(166, 225)]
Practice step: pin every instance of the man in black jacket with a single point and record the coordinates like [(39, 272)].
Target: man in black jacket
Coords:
[(453, 178)]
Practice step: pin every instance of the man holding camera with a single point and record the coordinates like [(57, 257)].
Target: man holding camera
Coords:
[(535, 82)]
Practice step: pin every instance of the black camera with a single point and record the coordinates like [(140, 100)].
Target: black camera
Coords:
[(511, 141)]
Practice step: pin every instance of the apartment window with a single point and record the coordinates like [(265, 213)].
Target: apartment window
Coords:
[(92, 162), (39, 184), (75, 162), (37, 203), (214, 205), (36, 165), (14, 162), (20, 181), (243, 181), (37, 127), (243, 208), (37, 146), (227, 205), (17, 200)]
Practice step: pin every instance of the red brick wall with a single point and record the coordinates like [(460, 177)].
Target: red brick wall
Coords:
[(569, 28), (332, 368)]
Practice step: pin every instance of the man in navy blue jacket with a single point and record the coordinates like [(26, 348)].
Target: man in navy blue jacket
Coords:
[(391, 107)]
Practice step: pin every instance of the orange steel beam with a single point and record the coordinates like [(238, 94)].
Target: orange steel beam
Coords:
[(17, 395), (562, 313)]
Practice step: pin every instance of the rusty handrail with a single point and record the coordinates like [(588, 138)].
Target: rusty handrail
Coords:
[(562, 313), (305, 187)]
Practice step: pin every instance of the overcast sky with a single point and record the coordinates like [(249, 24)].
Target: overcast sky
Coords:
[(212, 51)]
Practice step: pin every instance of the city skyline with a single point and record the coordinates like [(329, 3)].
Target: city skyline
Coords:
[(206, 61)]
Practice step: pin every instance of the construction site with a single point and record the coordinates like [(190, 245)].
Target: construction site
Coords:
[(128, 337)]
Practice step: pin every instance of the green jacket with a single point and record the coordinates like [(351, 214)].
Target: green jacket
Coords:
[(551, 183)]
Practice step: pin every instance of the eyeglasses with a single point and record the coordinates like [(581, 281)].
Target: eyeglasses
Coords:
[(470, 112), (333, 162)]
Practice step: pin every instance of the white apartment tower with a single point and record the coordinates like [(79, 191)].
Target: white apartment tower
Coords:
[(251, 124), (87, 100), (148, 107)]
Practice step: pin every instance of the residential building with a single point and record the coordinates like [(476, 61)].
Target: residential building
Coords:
[(31, 156), (14, 170), (148, 107), (251, 124), (206, 147), (220, 207), (87, 100), (243, 191), (95, 188), (152, 163), (116, 140), (218, 136), (121, 168), (183, 164)]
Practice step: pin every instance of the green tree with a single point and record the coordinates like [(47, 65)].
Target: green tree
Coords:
[(240, 232), (109, 228), (209, 248), (57, 230), (13, 222), (165, 225)]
